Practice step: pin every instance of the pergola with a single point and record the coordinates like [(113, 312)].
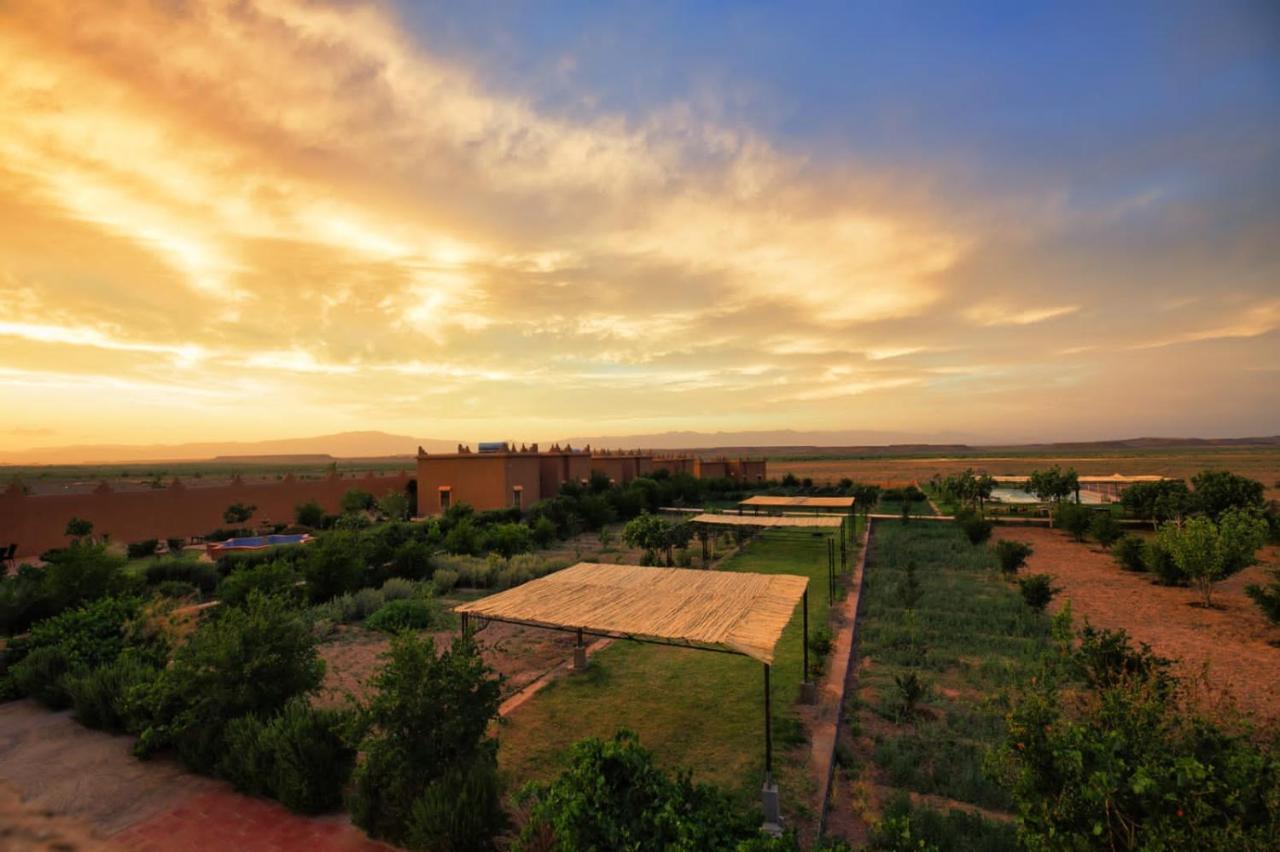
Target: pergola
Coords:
[(723, 611), (810, 504), (830, 523)]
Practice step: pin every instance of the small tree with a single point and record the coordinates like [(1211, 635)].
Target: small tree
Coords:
[(1206, 552), (1158, 502), (1038, 590), (1012, 555), (649, 532), (1217, 491), (78, 528), (1104, 528), (1053, 484), (1130, 552), (309, 514), (394, 506), (357, 500), (1073, 518), (238, 513), (1267, 597), (428, 717)]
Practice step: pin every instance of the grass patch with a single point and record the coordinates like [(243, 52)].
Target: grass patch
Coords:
[(894, 507), (694, 709), (969, 636)]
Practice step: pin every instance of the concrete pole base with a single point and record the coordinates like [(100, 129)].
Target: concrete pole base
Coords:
[(772, 809), (808, 692), (580, 658)]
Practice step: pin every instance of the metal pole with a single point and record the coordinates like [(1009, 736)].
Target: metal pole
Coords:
[(466, 623), (804, 677), (768, 729)]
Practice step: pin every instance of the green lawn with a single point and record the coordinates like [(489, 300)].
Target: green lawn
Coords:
[(968, 635), (894, 507), (692, 708)]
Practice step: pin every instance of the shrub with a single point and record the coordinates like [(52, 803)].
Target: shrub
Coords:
[(203, 575), (820, 641), (177, 589), (142, 549), (975, 527), (247, 659), (405, 614), (1012, 555), (508, 539), (904, 827), (1073, 518), (1159, 561), (1130, 552), (1037, 590), (464, 538), (300, 756), (412, 560), (271, 578), (1267, 597), (429, 713), (613, 796), (82, 572), (1206, 552), (1104, 528), (334, 564), (444, 580), (309, 514), (460, 811), (911, 691), (104, 697), (397, 588), (41, 674)]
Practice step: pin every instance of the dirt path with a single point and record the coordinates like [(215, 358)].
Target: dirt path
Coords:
[(1233, 643)]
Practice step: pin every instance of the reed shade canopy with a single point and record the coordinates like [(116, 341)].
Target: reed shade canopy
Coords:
[(717, 610), (769, 521), (762, 501)]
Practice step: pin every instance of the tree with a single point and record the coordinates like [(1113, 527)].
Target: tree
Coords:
[(614, 796), (247, 659), (648, 532), (1054, 484), (1073, 518), (394, 506), (1104, 528), (428, 717), (238, 513), (309, 514), (1267, 597), (78, 528), (357, 500), (678, 535), (1206, 552), (1158, 502), (1216, 491)]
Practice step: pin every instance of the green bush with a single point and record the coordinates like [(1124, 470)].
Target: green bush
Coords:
[(203, 575), (41, 674), (508, 539), (1160, 562), (1267, 597), (1104, 528), (405, 614), (142, 549), (904, 827), (412, 560), (334, 564), (245, 660), (397, 588), (460, 811), (1130, 552), (613, 796), (1037, 590), (1012, 555), (104, 697), (429, 714), (1073, 518), (80, 573), (177, 589), (309, 514), (444, 580), (270, 578), (300, 756), (975, 527)]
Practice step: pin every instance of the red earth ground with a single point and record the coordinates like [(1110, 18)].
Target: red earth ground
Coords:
[(1232, 644)]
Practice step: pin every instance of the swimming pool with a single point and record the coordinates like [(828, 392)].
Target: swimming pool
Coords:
[(256, 542)]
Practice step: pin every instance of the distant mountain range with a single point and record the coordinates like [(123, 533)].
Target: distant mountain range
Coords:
[(374, 444)]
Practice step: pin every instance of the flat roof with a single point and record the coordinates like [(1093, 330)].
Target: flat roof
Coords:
[(791, 502), (726, 610), (769, 520)]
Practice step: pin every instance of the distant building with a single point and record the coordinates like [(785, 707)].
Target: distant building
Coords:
[(1106, 489), (500, 475)]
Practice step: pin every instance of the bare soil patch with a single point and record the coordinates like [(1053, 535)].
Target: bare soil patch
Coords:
[(520, 654), (1232, 644)]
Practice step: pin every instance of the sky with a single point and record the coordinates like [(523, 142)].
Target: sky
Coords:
[(1005, 221)]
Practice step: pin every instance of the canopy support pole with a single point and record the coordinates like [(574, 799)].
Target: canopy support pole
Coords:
[(769, 794)]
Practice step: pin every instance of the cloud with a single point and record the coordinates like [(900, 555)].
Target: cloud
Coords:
[(990, 315)]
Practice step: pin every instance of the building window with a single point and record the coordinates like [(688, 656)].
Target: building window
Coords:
[(517, 497), (444, 499)]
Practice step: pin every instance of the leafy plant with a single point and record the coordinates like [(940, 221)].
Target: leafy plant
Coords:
[(404, 614), (975, 527), (103, 697), (270, 578), (202, 575), (911, 691), (1130, 552), (1205, 551), (461, 811), (1012, 555), (300, 756), (1037, 590), (1104, 528), (429, 714), (1267, 597), (238, 513), (613, 796), (1073, 518)]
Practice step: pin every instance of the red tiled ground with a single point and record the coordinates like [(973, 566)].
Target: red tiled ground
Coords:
[(227, 820)]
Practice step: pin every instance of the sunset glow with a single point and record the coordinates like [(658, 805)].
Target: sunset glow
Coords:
[(323, 206)]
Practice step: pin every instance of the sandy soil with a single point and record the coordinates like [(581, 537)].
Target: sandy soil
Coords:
[(519, 654), (1233, 644), (25, 827)]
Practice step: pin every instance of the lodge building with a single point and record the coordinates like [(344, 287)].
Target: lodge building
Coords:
[(498, 475)]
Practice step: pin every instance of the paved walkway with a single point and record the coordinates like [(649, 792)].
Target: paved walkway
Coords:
[(62, 768)]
